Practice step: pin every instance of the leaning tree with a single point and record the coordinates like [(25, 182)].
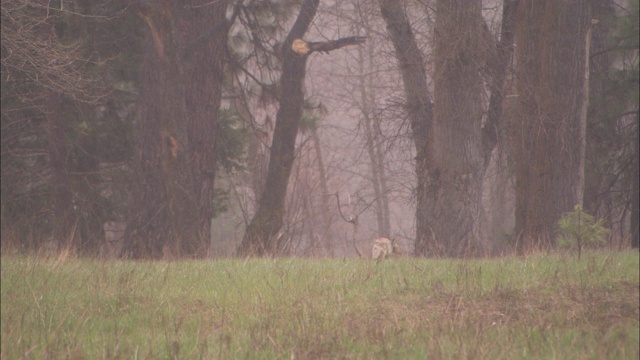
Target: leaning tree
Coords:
[(262, 235)]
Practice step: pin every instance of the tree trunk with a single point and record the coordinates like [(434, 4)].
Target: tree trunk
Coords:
[(455, 156), (260, 236), (65, 219), (174, 164), (550, 82), (327, 233), (634, 229), (497, 66), (418, 106), (204, 59), (602, 124), (382, 172), (498, 178), (376, 176)]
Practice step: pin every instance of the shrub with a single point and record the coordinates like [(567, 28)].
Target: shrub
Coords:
[(578, 230)]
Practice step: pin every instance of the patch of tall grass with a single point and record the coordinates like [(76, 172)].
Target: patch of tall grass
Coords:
[(516, 307)]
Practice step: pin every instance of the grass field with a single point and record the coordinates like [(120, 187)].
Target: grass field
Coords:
[(534, 307)]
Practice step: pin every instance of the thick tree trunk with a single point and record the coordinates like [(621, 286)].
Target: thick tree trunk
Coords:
[(455, 156), (174, 164), (260, 238), (163, 212), (204, 61), (452, 148), (418, 105), (550, 82)]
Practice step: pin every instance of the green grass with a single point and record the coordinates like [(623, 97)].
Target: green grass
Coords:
[(518, 307)]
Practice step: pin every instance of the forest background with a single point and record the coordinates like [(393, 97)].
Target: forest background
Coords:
[(193, 129)]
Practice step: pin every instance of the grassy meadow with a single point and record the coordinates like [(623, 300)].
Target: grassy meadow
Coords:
[(533, 307)]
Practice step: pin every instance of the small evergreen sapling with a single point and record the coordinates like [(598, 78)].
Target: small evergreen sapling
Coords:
[(578, 230)]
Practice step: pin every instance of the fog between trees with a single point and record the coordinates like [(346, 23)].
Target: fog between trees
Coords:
[(461, 128)]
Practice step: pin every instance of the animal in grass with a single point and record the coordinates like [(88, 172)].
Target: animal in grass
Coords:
[(383, 248)]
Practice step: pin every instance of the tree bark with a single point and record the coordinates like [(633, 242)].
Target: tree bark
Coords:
[(453, 149), (634, 227), (418, 106), (550, 81), (455, 157), (204, 60), (327, 233), (600, 129), (65, 219), (174, 163)]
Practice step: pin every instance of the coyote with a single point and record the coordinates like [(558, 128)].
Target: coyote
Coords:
[(383, 248)]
